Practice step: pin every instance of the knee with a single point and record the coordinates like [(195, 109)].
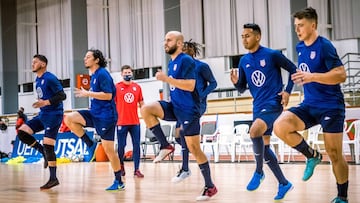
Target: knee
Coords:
[(334, 154), (144, 110), (279, 130), (68, 119), (49, 152)]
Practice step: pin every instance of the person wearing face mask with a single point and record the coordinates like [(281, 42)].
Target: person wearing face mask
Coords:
[(128, 99)]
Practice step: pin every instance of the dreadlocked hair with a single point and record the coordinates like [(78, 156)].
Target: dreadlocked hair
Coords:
[(193, 45)]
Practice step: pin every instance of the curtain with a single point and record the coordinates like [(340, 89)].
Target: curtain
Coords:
[(192, 20), (52, 39), (136, 33), (345, 19)]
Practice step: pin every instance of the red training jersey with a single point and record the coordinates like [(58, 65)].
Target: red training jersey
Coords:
[(127, 99)]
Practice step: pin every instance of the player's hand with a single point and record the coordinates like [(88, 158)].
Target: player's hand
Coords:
[(161, 76), (284, 98), (234, 77), (81, 92), (301, 77), (40, 103)]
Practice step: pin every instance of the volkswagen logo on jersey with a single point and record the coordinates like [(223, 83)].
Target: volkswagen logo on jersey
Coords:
[(304, 67), (262, 63), (258, 78), (129, 98), (172, 87), (39, 92)]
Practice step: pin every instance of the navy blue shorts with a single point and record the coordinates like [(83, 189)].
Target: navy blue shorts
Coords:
[(268, 115), (331, 120), (49, 123), (190, 127), (106, 129)]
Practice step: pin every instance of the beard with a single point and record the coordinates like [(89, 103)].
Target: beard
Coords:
[(36, 70), (171, 50)]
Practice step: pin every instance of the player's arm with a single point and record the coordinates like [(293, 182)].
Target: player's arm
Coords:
[(335, 76), (184, 84), (96, 95), (57, 98), (209, 77), (237, 77), (283, 62)]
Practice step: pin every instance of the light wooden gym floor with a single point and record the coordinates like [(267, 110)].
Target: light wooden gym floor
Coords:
[(85, 182)]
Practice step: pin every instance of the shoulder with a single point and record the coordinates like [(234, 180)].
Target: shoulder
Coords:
[(325, 43), (201, 64)]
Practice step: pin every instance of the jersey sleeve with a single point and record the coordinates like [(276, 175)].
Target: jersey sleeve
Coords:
[(188, 65), (241, 83), (106, 83), (283, 62), (208, 76), (330, 56)]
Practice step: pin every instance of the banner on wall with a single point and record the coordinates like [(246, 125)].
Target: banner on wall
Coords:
[(67, 145)]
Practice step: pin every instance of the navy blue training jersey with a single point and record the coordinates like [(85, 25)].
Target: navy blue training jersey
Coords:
[(48, 86), (205, 82), (101, 81), (185, 103), (261, 71), (320, 57)]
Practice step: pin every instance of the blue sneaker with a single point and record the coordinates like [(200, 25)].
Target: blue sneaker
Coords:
[(339, 200), (310, 166), (283, 190), (116, 186), (255, 181), (91, 152)]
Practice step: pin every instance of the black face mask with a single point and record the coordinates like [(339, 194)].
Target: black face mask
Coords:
[(128, 77)]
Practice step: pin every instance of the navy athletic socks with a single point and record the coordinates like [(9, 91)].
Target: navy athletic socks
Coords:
[(52, 170), (85, 138), (205, 170), (258, 147), (272, 162), (305, 149), (159, 134)]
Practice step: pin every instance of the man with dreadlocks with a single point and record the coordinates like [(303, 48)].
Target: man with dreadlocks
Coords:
[(183, 107), (205, 83)]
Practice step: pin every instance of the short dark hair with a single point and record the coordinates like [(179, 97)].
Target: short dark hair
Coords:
[(41, 58), (192, 45), (307, 13), (254, 27), (99, 55), (124, 67)]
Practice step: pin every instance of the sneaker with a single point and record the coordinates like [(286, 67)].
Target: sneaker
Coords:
[(50, 184), (181, 175), (207, 193), (122, 170), (163, 153), (339, 200), (310, 166), (116, 186), (283, 190), (91, 152), (255, 181), (138, 174)]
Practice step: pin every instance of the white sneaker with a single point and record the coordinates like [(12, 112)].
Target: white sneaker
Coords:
[(163, 153), (180, 176)]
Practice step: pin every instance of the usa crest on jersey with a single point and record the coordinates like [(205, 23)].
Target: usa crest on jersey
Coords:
[(262, 63), (312, 54)]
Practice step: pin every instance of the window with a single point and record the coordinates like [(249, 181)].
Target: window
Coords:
[(28, 87), (142, 73)]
